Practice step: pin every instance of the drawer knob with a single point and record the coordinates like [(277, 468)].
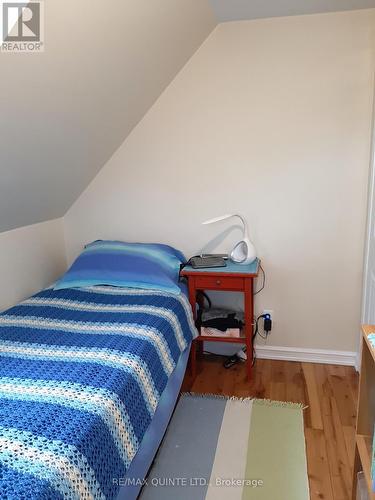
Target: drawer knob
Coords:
[(218, 282)]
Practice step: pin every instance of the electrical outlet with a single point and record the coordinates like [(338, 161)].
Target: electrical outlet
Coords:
[(270, 312)]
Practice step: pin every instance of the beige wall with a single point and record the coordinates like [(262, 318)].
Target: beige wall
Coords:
[(270, 118), (31, 257)]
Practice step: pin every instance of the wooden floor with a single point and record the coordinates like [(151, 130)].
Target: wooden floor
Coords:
[(329, 391)]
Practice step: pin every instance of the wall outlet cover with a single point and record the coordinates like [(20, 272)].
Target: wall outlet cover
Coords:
[(270, 312)]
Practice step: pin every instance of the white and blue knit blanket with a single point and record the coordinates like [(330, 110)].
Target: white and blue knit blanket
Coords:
[(81, 375)]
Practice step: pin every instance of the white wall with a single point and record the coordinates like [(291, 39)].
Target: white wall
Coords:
[(31, 257), (270, 118), (104, 65)]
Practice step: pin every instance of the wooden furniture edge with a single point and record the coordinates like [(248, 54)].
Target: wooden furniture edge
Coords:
[(366, 331), (363, 442)]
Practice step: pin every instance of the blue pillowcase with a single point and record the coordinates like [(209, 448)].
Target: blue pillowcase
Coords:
[(130, 265)]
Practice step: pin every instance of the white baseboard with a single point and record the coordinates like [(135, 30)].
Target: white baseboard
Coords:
[(346, 358)]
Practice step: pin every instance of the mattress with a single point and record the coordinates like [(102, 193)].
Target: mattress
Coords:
[(82, 373)]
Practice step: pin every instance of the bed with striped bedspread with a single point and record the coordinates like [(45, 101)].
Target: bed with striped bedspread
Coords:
[(81, 374)]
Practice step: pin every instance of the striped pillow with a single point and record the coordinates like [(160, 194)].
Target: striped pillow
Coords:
[(130, 265)]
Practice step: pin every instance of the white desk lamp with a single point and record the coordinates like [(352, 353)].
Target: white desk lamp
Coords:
[(244, 252)]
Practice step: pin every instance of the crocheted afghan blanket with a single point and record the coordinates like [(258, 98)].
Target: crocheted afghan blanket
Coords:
[(81, 375)]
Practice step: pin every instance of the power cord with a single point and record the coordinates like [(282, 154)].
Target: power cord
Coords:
[(264, 280)]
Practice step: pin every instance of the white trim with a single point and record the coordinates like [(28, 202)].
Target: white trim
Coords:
[(347, 358), (370, 221)]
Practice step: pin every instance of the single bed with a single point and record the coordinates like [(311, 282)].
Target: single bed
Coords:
[(89, 378)]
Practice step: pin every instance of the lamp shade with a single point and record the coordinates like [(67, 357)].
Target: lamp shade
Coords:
[(244, 251)]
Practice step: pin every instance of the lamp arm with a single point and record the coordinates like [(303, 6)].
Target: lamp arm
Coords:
[(245, 226), (229, 216)]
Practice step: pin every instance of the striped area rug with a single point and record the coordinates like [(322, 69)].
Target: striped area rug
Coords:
[(220, 448)]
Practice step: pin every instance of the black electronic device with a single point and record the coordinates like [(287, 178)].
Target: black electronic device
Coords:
[(201, 262)]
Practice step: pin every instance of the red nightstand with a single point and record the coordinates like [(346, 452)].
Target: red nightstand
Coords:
[(233, 278)]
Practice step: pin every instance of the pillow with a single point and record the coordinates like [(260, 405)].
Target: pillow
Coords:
[(130, 265)]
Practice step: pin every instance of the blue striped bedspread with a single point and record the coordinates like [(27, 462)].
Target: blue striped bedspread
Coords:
[(81, 375)]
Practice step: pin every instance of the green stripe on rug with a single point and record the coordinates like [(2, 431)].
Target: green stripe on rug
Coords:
[(276, 452)]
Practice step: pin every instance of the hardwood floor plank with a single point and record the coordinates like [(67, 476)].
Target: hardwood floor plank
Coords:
[(313, 394), (278, 385), (318, 467), (349, 437), (266, 377), (338, 460), (295, 384), (343, 395), (353, 379)]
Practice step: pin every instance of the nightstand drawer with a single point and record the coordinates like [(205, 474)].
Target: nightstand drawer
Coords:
[(219, 282)]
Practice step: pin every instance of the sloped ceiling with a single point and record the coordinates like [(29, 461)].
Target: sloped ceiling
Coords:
[(64, 112), (238, 10)]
